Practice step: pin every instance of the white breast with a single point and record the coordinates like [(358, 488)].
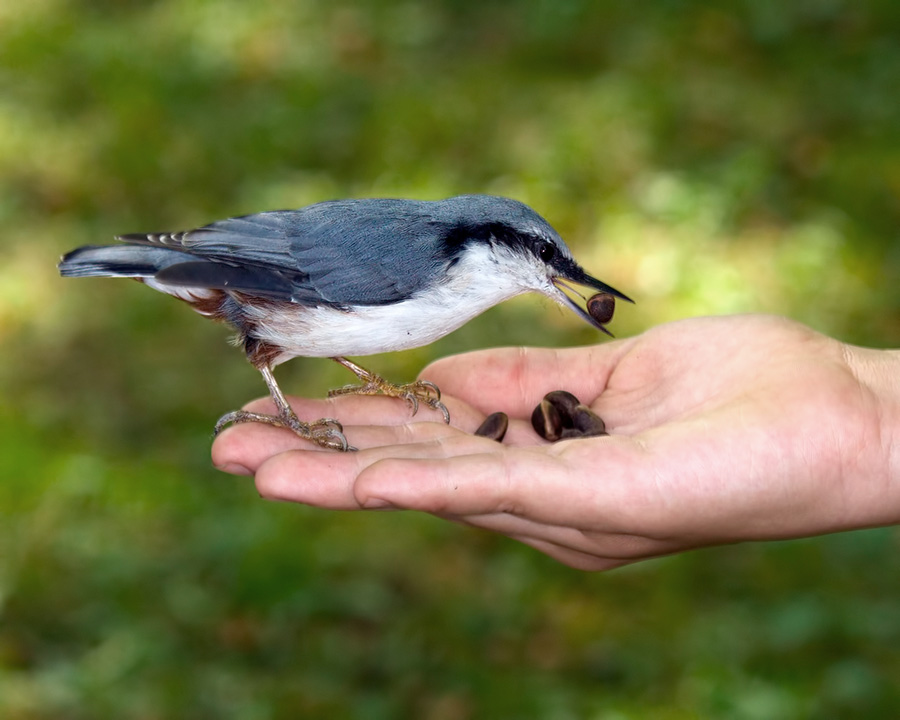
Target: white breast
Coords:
[(477, 282)]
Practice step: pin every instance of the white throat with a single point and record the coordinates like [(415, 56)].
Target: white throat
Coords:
[(480, 279)]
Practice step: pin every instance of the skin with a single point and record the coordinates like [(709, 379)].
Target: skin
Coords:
[(723, 430)]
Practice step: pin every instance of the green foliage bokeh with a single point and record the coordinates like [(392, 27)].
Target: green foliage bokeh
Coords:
[(705, 158)]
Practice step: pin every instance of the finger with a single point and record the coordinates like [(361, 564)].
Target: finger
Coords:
[(611, 545), (589, 560), (367, 437), (550, 484), (328, 480), (572, 558), (241, 449), (460, 481), (323, 480), (514, 379), (463, 475)]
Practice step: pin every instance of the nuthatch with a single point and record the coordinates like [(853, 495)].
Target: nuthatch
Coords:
[(348, 277)]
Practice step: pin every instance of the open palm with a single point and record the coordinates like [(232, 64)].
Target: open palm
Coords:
[(722, 430)]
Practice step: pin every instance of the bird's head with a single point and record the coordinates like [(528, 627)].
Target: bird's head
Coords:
[(518, 244)]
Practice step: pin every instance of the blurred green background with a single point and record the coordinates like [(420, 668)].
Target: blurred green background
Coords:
[(703, 157)]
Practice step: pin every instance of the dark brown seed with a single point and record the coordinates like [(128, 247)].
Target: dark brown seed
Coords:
[(494, 426), (561, 416), (601, 307), (587, 422), (565, 402), (547, 421)]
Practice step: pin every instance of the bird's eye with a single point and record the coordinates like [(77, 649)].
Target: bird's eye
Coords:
[(546, 252)]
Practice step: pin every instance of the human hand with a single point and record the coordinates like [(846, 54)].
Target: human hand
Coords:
[(722, 430)]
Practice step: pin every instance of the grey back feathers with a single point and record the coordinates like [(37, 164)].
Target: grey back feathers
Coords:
[(336, 253)]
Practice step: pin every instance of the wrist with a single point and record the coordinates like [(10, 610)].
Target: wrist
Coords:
[(878, 374)]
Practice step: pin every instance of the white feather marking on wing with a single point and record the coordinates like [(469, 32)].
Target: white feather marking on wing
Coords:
[(184, 293)]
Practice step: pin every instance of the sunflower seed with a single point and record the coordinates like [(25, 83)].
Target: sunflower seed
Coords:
[(494, 426)]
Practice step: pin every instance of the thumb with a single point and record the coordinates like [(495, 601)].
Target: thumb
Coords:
[(513, 379)]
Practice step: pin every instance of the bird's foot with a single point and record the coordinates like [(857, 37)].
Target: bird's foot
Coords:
[(420, 391), (326, 433)]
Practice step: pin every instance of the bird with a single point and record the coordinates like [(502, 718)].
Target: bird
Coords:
[(352, 277)]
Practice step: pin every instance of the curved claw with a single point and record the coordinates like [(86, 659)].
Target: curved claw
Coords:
[(331, 439), (329, 422), (414, 392), (430, 386), (412, 400), (438, 405), (327, 432), (434, 401)]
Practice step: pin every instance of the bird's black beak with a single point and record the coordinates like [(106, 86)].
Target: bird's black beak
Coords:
[(576, 276)]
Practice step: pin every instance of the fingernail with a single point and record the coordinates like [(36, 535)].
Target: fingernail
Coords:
[(233, 469)]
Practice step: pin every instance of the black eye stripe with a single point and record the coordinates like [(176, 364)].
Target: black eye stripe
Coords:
[(499, 233)]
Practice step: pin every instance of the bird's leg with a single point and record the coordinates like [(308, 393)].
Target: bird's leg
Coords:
[(372, 384), (326, 432)]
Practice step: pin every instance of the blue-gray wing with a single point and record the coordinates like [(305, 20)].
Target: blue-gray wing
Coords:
[(353, 252)]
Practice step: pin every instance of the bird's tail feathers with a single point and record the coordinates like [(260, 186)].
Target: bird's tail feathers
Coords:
[(117, 261)]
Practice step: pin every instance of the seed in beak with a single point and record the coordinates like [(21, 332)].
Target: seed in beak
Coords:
[(601, 307)]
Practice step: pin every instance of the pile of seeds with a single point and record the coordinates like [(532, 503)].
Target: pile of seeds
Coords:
[(560, 415)]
